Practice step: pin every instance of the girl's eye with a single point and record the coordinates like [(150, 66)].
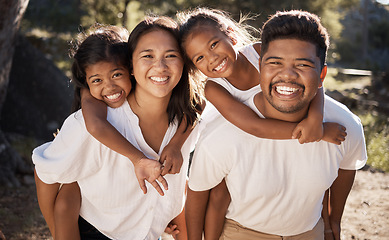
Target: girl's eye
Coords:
[(96, 80), (213, 45), (274, 63), (147, 56), (117, 75), (199, 58)]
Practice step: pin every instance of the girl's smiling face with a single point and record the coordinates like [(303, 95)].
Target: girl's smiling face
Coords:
[(108, 82), (211, 51), (157, 63)]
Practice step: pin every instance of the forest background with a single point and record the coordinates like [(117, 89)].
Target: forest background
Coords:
[(36, 95)]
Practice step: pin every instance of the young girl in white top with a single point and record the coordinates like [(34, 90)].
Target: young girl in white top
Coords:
[(223, 51), (112, 204)]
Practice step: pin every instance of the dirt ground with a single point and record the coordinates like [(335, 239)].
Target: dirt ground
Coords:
[(366, 213)]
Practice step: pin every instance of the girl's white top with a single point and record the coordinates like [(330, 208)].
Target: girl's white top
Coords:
[(242, 95), (210, 112), (112, 200)]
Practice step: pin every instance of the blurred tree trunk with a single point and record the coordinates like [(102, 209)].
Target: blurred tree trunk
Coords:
[(124, 22), (11, 12)]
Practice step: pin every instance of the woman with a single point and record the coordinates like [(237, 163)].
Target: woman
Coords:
[(113, 205)]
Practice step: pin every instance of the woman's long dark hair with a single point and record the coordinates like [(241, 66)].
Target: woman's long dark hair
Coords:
[(186, 96), (101, 43)]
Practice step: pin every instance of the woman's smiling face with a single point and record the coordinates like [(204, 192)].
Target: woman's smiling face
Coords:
[(157, 63)]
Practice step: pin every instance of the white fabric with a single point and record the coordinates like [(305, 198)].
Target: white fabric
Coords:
[(210, 112), (242, 95), (112, 200), (276, 186)]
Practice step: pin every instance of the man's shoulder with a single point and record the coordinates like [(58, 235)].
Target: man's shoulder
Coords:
[(219, 129), (335, 111)]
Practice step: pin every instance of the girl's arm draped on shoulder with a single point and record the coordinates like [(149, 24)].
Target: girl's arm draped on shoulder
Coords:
[(313, 129), (95, 116), (171, 155), (244, 117)]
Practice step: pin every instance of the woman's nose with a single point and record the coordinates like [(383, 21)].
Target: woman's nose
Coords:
[(161, 63)]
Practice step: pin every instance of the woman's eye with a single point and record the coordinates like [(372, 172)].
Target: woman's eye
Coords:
[(171, 56)]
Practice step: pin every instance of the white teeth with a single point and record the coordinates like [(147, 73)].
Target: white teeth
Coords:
[(221, 65), (113, 96), (286, 90), (159, 79)]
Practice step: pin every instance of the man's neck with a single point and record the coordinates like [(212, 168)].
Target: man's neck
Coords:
[(268, 111)]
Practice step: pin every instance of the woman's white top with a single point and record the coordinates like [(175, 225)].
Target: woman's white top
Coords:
[(112, 200)]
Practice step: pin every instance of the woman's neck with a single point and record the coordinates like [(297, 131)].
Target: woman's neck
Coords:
[(153, 117), (147, 106)]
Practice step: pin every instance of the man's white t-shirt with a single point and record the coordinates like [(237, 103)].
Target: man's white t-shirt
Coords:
[(112, 200), (276, 186)]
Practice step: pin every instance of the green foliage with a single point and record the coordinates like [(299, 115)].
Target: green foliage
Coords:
[(377, 140), (102, 11)]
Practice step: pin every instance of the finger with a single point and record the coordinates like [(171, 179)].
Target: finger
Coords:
[(175, 168), (296, 133), (167, 167), (163, 181), (142, 185), (162, 160), (157, 187)]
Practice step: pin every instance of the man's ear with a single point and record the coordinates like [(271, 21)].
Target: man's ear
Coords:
[(323, 74)]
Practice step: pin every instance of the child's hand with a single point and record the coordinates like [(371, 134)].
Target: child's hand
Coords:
[(150, 170), (334, 133), (172, 230), (308, 131), (171, 158)]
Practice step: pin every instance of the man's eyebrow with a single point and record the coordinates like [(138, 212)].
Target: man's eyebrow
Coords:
[(306, 59)]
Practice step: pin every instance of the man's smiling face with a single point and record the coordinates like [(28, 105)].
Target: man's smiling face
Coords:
[(290, 74)]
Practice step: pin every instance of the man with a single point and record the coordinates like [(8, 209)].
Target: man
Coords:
[(277, 186)]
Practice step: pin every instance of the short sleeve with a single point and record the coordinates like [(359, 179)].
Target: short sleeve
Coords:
[(210, 163), (72, 155), (354, 147)]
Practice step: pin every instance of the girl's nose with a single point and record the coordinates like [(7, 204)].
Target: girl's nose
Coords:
[(109, 84)]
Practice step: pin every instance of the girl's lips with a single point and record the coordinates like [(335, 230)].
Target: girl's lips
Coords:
[(221, 65), (114, 97)]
